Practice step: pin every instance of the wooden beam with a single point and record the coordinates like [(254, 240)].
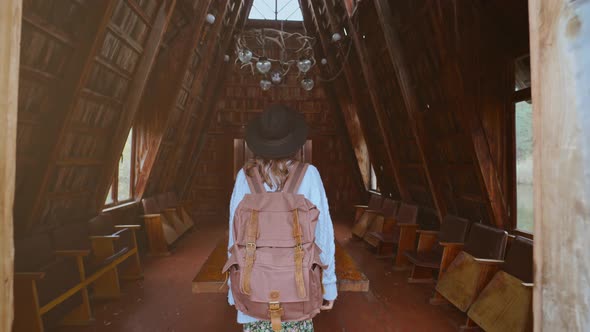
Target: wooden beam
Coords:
[(193, 152), (10, 31), (383, 125), (165, 85), (136, 92), (343, 105), (63, 109), (560, 53), (197, 89), (398, 60)]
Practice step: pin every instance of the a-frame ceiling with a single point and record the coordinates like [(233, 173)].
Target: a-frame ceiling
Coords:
[(422, 95)]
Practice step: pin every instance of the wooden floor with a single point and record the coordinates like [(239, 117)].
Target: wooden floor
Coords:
[(164, 302)]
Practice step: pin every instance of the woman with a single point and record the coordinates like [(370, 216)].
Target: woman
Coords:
[(275, 137)]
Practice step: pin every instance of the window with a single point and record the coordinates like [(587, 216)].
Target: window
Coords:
[(373, 180), (523, 124), (278, 10), (122, 188)]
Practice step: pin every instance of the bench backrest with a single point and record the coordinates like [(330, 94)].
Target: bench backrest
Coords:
[(454, 229), (389, 207), (150, 205), (101, 225), (486, 242), (407, 213), (519, 259), (375, 201)]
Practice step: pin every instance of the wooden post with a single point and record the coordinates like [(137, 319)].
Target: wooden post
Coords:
[(10, 29), (560, 63)]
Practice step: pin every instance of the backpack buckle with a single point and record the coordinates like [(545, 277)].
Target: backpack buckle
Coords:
[(251, 245)]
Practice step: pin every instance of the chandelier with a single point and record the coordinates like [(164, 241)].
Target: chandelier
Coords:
[(273, 71)]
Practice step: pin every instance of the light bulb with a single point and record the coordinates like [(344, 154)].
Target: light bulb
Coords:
[(307, 84), (245, 55), (263, 65), (336, 37), (210, 18), (324, 61), (265, 84), (304, 65), (226, 58)]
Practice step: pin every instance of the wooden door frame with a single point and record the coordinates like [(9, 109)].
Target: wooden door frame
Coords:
[(10, 32)]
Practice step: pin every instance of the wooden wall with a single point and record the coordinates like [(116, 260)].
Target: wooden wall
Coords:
[(436, 99), (10, 22), (240, 100)]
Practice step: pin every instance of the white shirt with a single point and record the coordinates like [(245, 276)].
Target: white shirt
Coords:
[(313, 189)]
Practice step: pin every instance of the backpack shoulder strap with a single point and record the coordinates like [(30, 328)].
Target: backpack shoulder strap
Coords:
[(255, 181), (295, 177)]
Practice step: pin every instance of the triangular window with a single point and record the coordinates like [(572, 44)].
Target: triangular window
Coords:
[(278, 10)]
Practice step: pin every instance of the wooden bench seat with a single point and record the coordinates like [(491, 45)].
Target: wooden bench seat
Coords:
[(162, 226), (505, 304), (430, 255), (209, 279), (473, 267), (374, 203)]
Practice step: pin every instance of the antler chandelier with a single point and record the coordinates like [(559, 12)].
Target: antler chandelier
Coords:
[(273, 70)]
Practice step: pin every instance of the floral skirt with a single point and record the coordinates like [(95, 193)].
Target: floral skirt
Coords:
[(264, 326)]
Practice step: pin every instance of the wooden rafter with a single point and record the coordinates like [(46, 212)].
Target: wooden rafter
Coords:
[(136, 92), (345, 107), (195, 101), (384, 127), (398, 60), (167, 91), (196, 145)]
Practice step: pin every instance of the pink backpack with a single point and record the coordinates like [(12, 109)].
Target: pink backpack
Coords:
[(275, 268)]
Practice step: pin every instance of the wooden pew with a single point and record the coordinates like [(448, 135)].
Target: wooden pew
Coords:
[(124, 238), (505, 304), (174, 212), (369, 212), (473, 267), (160, 231), (375, 202), (102, 249), (399, 232), (437, 249), (180, 206), (384, 219), (48, 286), (209, 279), (52, 285)]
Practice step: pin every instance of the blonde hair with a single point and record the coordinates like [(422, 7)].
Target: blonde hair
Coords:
[(274, 172)]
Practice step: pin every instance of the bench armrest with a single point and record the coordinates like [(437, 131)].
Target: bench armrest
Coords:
[(489, 261), (528, 284), (127, 226), (29, 275), (360, 206), (104, 237), (72, 253), (151, 215)]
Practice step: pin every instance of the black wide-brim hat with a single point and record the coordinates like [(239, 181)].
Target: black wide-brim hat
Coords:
[(277, 133)]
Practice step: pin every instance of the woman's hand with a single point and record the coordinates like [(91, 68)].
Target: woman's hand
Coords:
[(327, 305)]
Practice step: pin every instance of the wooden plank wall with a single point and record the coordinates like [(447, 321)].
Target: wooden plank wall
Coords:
[(84, 71), (448, 105), (241, 100), (10, 23)]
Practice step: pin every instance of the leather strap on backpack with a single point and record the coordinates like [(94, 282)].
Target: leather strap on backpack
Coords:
[(255, 181), (295, 177), (251, 236), (299, 253)]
